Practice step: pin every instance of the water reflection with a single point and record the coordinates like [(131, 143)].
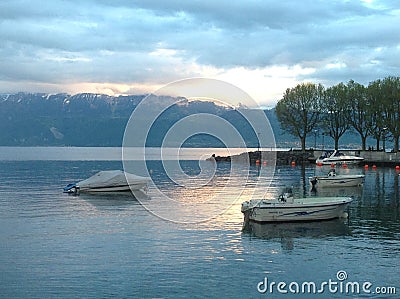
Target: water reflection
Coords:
[(110, 199), (355, 192), (287, 233)]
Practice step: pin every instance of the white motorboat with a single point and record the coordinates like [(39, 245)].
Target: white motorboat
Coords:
[(337, 157), (337, 180), (287, 208), (109, 181)]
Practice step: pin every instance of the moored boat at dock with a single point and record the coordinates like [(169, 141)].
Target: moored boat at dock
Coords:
[(336, 180), (336, 157)]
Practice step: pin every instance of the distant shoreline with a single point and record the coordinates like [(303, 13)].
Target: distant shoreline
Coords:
[(271, 156), (296, 156)]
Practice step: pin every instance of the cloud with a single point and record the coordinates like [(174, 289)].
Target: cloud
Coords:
[(134, 43)]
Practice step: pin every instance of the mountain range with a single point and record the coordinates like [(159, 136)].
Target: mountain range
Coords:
[(87, 119)]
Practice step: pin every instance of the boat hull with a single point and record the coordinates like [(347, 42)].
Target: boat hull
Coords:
[(339, 161), (292, 212), (336, 157), (124, 188), (337, 181)]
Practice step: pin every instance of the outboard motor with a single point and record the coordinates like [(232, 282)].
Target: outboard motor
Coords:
[(313, 182), (332, 172), (71, 189), (286, 194)]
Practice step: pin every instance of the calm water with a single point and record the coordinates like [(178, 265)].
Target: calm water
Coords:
[(57, 246)]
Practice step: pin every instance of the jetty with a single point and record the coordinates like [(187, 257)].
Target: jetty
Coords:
[(271, 157), (308, 157)]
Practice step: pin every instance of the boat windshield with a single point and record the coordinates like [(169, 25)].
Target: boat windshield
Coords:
[(338, 154), (332, 172), (326, 155)]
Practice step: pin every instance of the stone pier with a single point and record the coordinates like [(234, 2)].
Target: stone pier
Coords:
[(290, 157)]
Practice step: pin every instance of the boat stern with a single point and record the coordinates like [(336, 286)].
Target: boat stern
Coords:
[(245, 206), (313, 181), (71, 188)]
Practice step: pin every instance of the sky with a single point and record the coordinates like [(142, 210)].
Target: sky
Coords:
[(135, 47)]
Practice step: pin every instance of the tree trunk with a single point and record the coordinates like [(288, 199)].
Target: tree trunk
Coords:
[(303, 143), (336, 143), (396, 143), (363, 141), (378, 144)]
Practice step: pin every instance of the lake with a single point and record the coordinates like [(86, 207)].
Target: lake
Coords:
[(184, 238)]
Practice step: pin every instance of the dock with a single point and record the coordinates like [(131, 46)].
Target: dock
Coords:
[(298, 157), (271, 157)]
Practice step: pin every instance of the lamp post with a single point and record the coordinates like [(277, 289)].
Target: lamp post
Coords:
[(315, 138), (384, 138)]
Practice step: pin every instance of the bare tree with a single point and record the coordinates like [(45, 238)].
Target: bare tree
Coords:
[(376, 110), (334, 118), (299, 110), (358, 112), (390, 91)]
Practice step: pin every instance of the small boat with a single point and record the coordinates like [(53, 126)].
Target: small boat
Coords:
[(287, 208), (337, 180), (109, 181), (336, 157)]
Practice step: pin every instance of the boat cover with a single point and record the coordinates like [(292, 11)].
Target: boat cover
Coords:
[(112, 178)]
